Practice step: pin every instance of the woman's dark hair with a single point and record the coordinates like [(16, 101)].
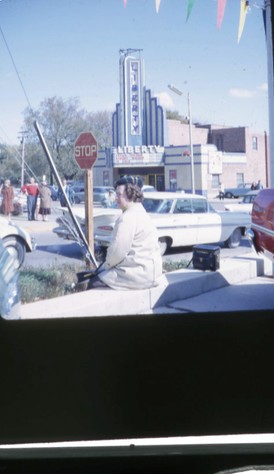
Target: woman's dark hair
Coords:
[(132, 189)]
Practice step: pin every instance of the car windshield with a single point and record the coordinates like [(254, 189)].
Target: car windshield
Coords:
[(161, 206)]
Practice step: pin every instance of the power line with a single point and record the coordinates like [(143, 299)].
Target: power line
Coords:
[(16, 70)]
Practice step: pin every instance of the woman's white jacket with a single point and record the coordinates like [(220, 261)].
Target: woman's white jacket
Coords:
[(133, 258)]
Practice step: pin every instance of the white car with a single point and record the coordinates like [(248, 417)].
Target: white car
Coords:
[(180, 219), (16, 240), (9, 286), (245, 205)]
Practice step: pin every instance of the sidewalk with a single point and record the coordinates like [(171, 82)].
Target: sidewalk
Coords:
[(182, 291)]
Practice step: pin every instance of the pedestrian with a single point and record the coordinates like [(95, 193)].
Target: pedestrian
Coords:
[(259, 185), (7, 192), (221, 191), (133, 259), (68, 191), (253, 186), (32, 191), (45, 200)]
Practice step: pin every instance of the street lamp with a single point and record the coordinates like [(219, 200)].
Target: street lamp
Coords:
[(179, 92)]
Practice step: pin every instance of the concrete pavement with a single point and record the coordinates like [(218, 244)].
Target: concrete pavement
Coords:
[(241, 283)]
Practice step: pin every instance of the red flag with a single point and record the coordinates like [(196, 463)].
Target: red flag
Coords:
[(221, 11), (125, 3)]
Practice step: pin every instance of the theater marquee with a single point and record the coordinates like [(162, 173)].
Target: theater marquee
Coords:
[(138, 155)]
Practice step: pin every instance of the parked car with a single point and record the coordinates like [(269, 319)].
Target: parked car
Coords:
[(99, 193), (240, 191), (9, 285), (54, 192), (261, 231), (181, 220), (245, 205), (147, 188), (16, 240)]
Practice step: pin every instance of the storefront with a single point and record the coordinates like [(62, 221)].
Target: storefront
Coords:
[(144, 161)]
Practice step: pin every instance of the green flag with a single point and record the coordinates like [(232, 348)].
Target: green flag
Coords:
[(189, 8)]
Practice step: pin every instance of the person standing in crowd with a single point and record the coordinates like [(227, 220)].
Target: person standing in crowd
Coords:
[(7, 201), (221, 191), (45, 200), (259, 185), (32, 191), (133, 259), (69, 193)]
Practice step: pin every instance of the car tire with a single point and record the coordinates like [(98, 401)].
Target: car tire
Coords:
[(229, 195), (234, 240), (164, 245), (16, 248)]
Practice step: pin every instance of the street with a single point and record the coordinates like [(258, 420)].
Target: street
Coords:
[(51, 250)]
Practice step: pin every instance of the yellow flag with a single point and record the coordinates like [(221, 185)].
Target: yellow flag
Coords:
[(244, 8), (157, 2)]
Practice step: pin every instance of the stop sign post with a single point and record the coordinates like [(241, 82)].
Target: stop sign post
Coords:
[(85, 154)]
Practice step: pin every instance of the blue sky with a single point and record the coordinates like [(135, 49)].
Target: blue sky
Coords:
[(70, 48)]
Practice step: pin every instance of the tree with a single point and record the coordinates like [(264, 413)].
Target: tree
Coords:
[(174, 115), (61, 121), (10, 164)]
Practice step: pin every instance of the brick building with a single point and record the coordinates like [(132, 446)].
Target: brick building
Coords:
[(158, 150)]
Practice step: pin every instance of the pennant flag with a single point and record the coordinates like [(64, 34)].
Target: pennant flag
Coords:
[(157, 2), (221, 11), (244, 8), (264, 20), (125, 3), (189, 8)]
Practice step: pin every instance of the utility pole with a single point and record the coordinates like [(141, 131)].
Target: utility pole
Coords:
[(22, 141), (179, 92)]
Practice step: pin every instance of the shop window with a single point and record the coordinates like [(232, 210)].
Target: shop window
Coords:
[(254, 143), (215, 181), (239, 178)]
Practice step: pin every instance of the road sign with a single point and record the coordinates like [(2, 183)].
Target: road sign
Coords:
[(85, 150)]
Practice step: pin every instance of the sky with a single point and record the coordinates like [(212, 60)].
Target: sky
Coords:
[(70, 48)]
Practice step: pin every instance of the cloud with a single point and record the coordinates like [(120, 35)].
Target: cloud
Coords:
[(165, 100), (242, 93), (263, 87)]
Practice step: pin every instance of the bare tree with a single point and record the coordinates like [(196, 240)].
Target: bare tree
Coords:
[(61, 122)]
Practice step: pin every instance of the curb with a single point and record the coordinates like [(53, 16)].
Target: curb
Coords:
[(174, 286)]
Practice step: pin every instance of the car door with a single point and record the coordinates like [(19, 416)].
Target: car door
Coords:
[(184, 223), (207, 221)]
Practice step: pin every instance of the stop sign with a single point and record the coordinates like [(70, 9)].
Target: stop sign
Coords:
[(85, 150)]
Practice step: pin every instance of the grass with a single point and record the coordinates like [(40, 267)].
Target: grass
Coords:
[(39, 283)]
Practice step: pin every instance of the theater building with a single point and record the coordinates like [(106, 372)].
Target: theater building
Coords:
[(146, 144)]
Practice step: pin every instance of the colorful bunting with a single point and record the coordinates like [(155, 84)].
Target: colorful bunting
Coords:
[(157, 5), (189, 8), (221, 11), (244, 8)]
